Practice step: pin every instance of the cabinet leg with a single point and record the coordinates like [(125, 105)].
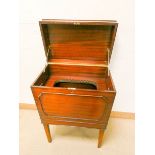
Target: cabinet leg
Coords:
[(47, 130), (100, 137)]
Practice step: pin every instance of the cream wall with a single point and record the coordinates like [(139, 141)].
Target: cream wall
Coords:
[(32, 57)]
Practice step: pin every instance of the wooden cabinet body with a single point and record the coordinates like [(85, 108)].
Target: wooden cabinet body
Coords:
[(75, 87)]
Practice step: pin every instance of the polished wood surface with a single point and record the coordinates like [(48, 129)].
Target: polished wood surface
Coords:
[(82, 107), (78, 40), (76, 87)]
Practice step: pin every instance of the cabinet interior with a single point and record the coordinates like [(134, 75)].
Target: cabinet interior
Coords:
[(75, 77)]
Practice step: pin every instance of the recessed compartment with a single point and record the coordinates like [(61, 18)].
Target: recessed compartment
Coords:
[(75, 84)]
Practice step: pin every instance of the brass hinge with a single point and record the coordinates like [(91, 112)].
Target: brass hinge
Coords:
[(108, 59), (76, 23), (47, 54), (48, 51)]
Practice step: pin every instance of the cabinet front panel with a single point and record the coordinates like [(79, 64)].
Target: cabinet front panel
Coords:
[(73, 106)]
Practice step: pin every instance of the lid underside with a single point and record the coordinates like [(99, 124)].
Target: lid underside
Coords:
[(78, 40)]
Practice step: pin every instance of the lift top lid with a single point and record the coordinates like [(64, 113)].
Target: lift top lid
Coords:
[(88, 41)]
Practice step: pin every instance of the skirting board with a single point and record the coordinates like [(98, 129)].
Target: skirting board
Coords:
[(114, 114)]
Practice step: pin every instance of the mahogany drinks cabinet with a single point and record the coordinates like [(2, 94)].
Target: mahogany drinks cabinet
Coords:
[(76, 88)]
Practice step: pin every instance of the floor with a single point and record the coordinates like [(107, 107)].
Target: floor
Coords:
[(118, 138)]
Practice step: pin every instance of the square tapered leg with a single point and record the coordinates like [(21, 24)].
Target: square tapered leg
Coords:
[(100, 137), (47, 130)]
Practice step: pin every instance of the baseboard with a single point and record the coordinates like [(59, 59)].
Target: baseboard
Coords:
[(114, 114), (27, 106)]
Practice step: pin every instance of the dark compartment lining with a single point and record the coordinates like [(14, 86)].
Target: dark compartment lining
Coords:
[(75, 84)]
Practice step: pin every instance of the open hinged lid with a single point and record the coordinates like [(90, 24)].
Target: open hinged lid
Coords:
[(78, 41)]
